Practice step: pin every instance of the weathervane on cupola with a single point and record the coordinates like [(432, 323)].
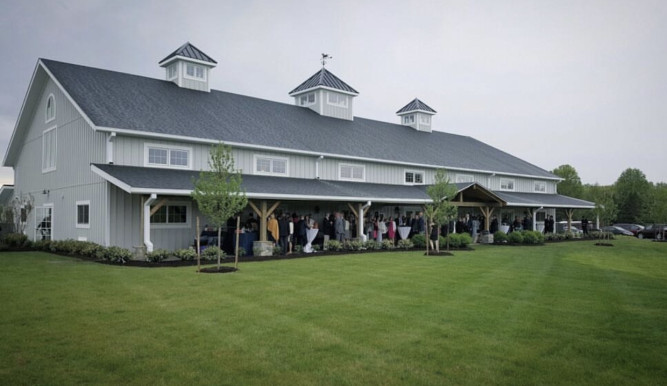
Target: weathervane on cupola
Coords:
[(324, 59)]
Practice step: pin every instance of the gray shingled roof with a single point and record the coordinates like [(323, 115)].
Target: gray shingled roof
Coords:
[(142, 178), (6, 194), (187, 50), (326, 79), (145, 105), (541, 199), (156, 179), (416, 105)]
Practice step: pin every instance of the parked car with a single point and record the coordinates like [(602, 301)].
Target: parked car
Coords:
[(617, 230), (653, 231), (634, 228)]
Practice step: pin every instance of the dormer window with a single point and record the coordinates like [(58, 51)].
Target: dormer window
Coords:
[(172, 71), (425, 119), (50, 108), (408, 119), (307, 100), (194, 71), (337, 99), (350, 172)]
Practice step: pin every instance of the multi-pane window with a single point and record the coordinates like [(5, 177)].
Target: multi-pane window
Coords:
[(170, 214), (49, 147), (82, 214), (50, 108), (506, 184), (306, 100), (194, 71), (337, 99), (425, 119), (172, 70), (352, 172), (540, 186), (408, 119), (465, 178), (270, 165), (414, 177), (158, 155)]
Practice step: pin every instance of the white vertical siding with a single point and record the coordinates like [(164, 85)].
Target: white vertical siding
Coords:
[(77, 146)]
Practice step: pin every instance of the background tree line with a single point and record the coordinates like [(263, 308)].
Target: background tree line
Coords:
[(631, 199)]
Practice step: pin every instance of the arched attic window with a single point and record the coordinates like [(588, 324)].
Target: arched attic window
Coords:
[(50, 108)]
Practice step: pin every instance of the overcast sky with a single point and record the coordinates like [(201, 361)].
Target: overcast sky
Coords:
[(552, 82)]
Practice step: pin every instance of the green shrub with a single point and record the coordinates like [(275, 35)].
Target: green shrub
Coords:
[(42, 245), (157, 255), (334, 245), (465, 240), (316, 247), (16, 240), (500, 237), (277, 250), (68, 246), (297, 249), (211, 253), (117, 255), (405, 244), (419, 240), (242, 251), (186, 254), (515, 238), (455, 240), (354, 245), (531, 237), (372, 245), (388, 244)]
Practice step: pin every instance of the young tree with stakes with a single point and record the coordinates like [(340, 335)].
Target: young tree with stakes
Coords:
[(218, 192), (440, 210)]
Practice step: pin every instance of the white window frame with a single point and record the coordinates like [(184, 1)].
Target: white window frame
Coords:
[(465, 178), (540, 186), (409, 119), (174, 68), (341, 99), (271, 159), (340, 172), (425, 119), (414, 173), (78, 224), (48, 118), (195, 67), (179, 225), (169, 149), (46, 166), (307, 97), (508, 181)]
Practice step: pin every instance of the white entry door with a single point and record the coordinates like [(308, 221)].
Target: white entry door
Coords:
[(44, 222)]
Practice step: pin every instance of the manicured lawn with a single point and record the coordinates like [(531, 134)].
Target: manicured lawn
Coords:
[(568, 313)]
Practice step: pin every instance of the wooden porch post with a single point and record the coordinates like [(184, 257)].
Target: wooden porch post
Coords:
[(486, 212), (263, 213)]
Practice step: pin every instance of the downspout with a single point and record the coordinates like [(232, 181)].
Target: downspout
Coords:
[(360, 226), (110, 137), (317, 167), (535, 217), (147, 222)]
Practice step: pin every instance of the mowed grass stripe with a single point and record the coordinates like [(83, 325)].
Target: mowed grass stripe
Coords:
[(558, 314)]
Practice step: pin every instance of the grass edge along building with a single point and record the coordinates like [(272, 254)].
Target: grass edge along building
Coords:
[(110, 157)]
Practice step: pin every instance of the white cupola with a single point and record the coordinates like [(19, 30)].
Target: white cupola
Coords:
[(326, 94), (417, 115), (189, 67)]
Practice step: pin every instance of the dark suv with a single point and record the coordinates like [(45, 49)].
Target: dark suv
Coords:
[(654, 231)]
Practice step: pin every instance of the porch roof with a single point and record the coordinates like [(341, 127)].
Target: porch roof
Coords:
[(147, 180), (143, 180), (537, 200)]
